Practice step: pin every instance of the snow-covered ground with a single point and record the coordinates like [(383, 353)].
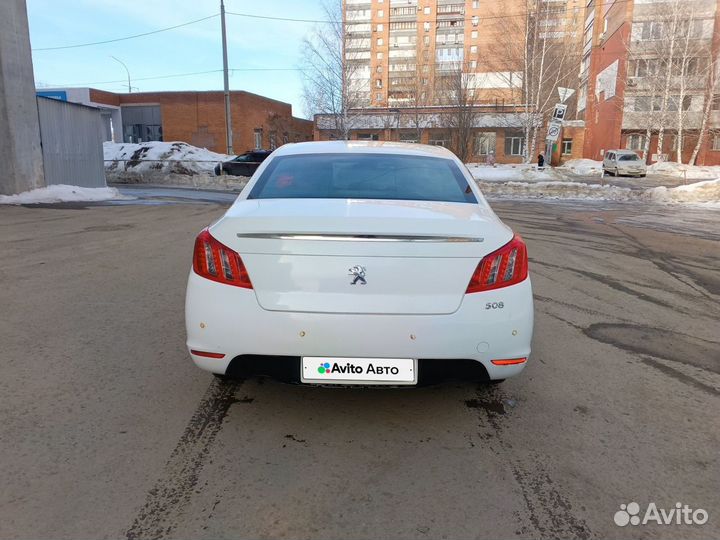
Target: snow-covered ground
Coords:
[(555, 190), (707, 192), (703, 193), (512, 172), (62, 193), (694, 172), (160, 157), (583, 167)]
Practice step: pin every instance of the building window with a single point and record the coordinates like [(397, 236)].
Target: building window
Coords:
[(438, 142), (514, 144), (378, 69), (380, 27), (473, 49), (473, 64), (368, 137), (379, 56), (378, 96), (475, 20), (286, 138), (378, 83), (716, 142), (474, 34), (485, 144), (426, 40), (635, 141), (379, 41), (381, 13), (426, 11), (273, 140), (426, 26), (476, 4), (567, 147)]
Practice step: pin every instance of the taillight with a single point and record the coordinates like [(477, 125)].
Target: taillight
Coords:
[(506, 266), (217, 262)]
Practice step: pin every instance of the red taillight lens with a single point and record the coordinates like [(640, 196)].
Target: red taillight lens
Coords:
[(217, 262), (506, 266)]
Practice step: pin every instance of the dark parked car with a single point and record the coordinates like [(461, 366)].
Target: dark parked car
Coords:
[(243, 165)]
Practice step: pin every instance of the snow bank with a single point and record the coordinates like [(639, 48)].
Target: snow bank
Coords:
[(707, 192), (506, 172), (62, 193), (694, 172), (160, 157), (556, 190), (584, 167)]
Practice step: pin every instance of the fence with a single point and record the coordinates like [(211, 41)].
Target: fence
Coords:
[(71, 138)]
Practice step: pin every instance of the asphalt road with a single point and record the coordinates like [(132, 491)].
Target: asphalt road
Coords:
[(107, 430)]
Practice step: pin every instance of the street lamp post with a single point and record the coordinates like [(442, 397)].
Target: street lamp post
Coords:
[(228, 116), (126, 70)]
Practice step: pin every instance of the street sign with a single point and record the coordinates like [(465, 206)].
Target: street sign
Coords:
[(565, 93), (559, 112), (553, 131)]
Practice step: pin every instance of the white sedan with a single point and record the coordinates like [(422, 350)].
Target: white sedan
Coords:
[(358, 264)]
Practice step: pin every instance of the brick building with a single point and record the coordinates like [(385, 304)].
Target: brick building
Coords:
[(197, 118), (634, 81)]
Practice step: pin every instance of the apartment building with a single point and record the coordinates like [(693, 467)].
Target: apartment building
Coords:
[(404, 59), (649, 79)]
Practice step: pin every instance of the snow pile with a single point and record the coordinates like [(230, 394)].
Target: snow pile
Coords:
[(160, 157), (584, 167), (707, 192), (555, 190), (62, 193), (691, 172), (506, 172)]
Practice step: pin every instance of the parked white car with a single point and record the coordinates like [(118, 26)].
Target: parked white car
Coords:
[(623, 162), (360, 263)]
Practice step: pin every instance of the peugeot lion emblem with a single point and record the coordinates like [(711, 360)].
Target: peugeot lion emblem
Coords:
[(358, 273)]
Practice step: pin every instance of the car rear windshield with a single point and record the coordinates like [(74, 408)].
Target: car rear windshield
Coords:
[(628, 157), (363, 176)]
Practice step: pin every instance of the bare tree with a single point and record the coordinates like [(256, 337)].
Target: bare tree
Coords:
[(539, 53), (712, 87), (455, 90), (670, 70), (335, 78)]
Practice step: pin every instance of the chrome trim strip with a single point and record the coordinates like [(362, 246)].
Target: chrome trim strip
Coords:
[(359, 237)]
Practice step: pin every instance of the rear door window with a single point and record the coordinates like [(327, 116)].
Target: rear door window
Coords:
[(363, 176)]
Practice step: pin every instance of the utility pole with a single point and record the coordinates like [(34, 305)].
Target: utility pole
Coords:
[(228, 116), (126, 70)]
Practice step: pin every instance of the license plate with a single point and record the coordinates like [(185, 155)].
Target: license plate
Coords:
[(334, 370)]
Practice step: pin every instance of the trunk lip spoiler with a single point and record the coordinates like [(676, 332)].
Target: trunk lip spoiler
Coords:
[(344, 237)]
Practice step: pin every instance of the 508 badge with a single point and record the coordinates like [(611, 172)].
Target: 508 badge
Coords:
[(494, 305)]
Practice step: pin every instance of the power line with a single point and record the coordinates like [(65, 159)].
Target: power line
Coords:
[(77, 45), (481, 18), (156, 77)]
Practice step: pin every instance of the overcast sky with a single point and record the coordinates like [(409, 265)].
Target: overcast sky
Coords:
[(252, 43)]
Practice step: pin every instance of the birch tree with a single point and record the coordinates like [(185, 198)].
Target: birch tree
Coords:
[(455, 90), (334, 81), (543, 49)]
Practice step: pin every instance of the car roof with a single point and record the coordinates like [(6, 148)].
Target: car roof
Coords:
[(623, 151), (363, 147)]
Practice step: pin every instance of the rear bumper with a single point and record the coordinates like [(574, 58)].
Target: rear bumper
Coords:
[(228, 320)]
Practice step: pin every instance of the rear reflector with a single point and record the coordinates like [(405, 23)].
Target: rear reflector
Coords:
[(509, 362), (501, 268), (207, 354), (217, 262)]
